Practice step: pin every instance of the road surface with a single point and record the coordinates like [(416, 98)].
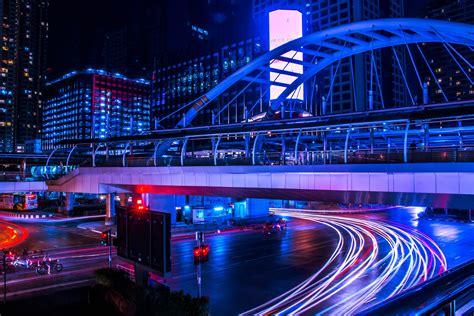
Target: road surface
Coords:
[(247, 270)]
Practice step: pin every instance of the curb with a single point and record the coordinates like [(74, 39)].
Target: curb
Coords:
[(43, 218), (25, 216), (440, 219)]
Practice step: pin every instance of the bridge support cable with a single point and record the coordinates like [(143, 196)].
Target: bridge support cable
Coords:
[(241, 91), (69, 156), (461, 141), (247, 145), (403, 75), (334, 76), (183, 150), (49, 158), (346, 144), (412, 60), (325, 148), (269, 86), (296, 146), (256, 143), (372, 65), (283, 149), (157, 145), (353, 81), (94, 153), (459, 65), (426, 128), (457, 39), (443, 41), (215, 148), (378, 83), (127, 146), (371, 139), (179, 109), (460, 55), (432, 72), (405, 143)]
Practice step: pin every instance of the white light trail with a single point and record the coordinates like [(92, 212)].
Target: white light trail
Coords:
[(399, 256)]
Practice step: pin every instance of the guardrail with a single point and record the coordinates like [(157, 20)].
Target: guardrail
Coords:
[(303, 158), (448, 294)]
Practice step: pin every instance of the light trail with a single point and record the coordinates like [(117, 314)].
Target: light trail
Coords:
[(11, 234), (371, 261)]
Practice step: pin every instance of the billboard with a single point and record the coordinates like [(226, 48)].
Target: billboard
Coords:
[(285, 26), (144, 237)]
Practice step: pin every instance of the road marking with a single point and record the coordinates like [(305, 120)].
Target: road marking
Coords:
[(47, 287)]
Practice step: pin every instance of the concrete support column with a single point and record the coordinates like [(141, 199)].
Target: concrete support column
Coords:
[(123, 197), (166, 204), (69, 204), (257, 207), (110, 209)]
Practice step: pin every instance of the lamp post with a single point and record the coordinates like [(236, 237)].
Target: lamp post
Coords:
[(4, 275)]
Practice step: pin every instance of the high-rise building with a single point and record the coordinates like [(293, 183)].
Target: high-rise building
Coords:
[(452, 79), (94, 104), (23, 35), (176, 85)]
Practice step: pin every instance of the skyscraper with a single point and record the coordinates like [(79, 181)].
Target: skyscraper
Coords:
[(23, 34), (94, 104), (453, 81)]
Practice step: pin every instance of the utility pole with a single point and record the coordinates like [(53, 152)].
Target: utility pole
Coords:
[(199, 242), (5, 276), (110, 247)]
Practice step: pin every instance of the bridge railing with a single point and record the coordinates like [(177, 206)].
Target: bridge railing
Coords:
[(451, 293), (441, 155)]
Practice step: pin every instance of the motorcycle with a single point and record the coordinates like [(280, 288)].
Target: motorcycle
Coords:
[(49, 265)]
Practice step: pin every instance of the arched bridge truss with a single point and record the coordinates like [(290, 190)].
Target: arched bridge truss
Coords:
[(326, 138)]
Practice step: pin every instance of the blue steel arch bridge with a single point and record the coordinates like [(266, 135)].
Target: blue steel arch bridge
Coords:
[(418, 132)]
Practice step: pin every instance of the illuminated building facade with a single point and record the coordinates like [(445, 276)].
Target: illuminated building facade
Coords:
[(94, 104), (23, 37), (176, 85), (457, 86)]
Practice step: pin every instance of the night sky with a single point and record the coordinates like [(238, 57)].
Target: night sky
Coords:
[(77, 30), (78, 27)]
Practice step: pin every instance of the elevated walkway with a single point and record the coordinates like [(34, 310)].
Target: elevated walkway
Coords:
[(422, 184), (22, 186)]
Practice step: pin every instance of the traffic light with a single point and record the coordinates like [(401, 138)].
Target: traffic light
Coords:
[(105, 238), (201, 253)]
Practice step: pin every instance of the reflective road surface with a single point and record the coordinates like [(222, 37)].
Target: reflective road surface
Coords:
[(322, 263)]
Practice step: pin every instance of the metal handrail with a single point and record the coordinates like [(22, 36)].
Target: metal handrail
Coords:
[(439, 294)]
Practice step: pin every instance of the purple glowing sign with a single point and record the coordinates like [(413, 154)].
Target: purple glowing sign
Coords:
[(285, 26)]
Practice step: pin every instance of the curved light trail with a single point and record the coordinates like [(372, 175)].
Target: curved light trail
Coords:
[(372, 260), (11, 234)]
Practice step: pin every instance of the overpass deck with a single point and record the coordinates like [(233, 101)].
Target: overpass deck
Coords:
[(423, 184)]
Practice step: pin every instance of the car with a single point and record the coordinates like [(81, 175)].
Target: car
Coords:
[(268, 228), (281, 223), (274, 226)]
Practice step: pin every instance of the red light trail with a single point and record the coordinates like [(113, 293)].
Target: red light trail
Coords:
[(372, 260), (11, 234)]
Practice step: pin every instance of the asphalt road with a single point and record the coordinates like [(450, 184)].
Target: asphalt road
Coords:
[(246, 269)]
